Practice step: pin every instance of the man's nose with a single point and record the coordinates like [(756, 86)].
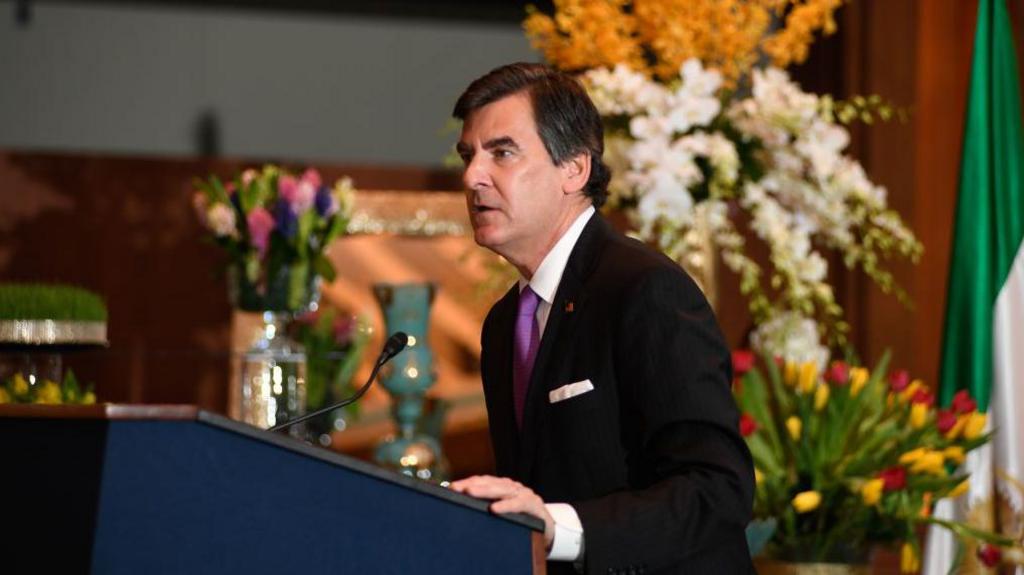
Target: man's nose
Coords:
[(474, 175)]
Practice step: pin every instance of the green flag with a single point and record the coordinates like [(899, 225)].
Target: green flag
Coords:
[(983, 342)]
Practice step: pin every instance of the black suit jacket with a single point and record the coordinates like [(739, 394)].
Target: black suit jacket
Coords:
[(651, 459)]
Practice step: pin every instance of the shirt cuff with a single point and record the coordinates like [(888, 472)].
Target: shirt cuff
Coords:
[(568, 542)]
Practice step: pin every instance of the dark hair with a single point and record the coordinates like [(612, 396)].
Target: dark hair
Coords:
[(565, 118)]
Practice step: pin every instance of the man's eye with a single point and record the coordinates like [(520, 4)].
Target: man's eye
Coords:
[(502, 153)]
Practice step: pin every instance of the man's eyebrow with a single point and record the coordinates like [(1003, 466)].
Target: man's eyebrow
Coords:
[(463, 148), (502, 142)]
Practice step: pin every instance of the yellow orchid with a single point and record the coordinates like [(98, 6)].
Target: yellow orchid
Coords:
[(806, 501), (794, 426)]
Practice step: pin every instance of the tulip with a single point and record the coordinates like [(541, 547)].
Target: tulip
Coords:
[(893, 478), (821, 397), (808, 376), (19, 386), (858, 379), (957, 428), (790, 375), (923, 397), (838, 373), (909, 561), (962, 402), (931, 462), (742, 362), (758, 476), (954, 453), (912, 455), (975, 425), (899, 380), (918, 415), (926, 505), (945, 419), (912, 389), (747, 425), (872, 491), (794, 426), (806, 501), (4, 396)]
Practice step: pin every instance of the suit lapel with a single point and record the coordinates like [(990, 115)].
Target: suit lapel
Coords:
[(558, 334), (501, 413)]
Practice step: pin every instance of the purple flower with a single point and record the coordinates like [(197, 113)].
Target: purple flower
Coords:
[(284, 217), (326, 203), (261, 223)]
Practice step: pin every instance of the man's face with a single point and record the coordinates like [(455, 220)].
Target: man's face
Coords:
[(514, 191)]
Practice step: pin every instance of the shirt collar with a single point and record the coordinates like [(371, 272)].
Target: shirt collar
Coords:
[(549, 274)]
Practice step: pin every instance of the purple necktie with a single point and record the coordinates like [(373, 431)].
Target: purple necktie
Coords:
[(525, 349)]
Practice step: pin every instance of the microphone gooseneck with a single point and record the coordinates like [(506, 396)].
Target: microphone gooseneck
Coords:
[(392, 347)]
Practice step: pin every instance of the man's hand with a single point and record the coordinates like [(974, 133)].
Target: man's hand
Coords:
[(509, 497)]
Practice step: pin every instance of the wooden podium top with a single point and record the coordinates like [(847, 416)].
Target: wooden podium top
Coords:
[(99, 411)]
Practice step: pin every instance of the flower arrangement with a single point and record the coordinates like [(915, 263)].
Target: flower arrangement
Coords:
[(700, 141), (19, 389), (846, 457), (275, 227), (334, 344)]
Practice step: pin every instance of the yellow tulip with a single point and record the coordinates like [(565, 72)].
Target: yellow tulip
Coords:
[(909, 562), (918, 415), (975, 424), (758, 476), (4, 396), (931, 462), (872, 491), (858, 379), (957, 428), (911, 390), (790, 375), (912, 456), (20, 385), (806, 501), (808, 376), (89, 398), (794, 426), (821, 397), (960, 489), (954, 453)]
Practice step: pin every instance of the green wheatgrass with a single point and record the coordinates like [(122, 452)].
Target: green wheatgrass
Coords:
[(48, 301)]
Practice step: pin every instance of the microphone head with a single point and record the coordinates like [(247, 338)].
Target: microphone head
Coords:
[(395, 344)]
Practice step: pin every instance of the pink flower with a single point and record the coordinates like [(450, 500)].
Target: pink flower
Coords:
[(201, 204), (221, 219), (945, 419), (312, 176), (261, 223), (962, 402), (299, 194), (248, 176), (923, 396)]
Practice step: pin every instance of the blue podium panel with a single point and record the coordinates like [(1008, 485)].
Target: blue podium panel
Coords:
[(209, 495)]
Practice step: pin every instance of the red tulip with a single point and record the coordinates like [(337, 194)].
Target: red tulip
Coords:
[(923, 396), (990, 555), (899, 380), (962, 402), (742, 361), (945, 419), (747, 425), (893, 478), (838, 373)]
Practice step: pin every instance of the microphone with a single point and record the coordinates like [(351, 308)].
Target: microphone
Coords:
[(392, 347)]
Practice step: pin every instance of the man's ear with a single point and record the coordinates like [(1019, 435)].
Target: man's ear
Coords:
[(575, 173)]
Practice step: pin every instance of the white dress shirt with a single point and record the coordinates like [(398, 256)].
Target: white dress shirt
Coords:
[(568, 542)]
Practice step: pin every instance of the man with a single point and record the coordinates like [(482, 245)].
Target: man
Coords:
[(605, 374)]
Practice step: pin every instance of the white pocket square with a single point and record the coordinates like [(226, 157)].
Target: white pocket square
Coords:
[(570, 390)]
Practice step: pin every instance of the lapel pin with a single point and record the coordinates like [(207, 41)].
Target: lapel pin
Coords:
[(569, 307)]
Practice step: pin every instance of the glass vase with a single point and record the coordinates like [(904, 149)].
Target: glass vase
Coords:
[(274, 376)]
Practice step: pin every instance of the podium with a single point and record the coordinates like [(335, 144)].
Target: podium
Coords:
[(174, 489)]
